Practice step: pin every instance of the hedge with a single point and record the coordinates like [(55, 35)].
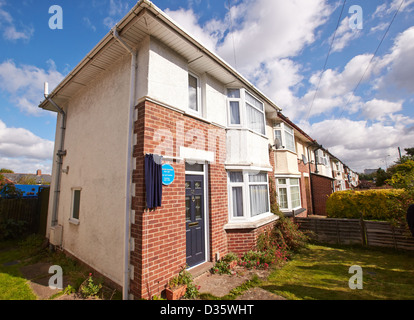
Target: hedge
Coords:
[(378, 204)]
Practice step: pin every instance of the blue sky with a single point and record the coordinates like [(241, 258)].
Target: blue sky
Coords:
[(280, 46)]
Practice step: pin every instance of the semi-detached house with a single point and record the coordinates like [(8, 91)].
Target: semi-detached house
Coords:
[(150, 89)]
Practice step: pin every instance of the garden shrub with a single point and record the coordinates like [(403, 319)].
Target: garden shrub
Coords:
[(12, 229), (286, 233), (379, 204)]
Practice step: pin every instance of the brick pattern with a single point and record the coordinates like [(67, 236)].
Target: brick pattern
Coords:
[(305, 188), (321, 189), (159, 235), (242, 240)]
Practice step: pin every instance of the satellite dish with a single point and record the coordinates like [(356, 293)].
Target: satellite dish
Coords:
[(277, 143), (305, 161)]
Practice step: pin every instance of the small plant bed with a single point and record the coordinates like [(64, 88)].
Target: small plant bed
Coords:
[(274, 248), (181, 286)]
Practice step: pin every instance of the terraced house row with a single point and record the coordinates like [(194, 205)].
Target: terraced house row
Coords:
[(166, 156)]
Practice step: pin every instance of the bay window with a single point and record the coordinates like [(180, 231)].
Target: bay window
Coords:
[(285, 135), (245, 110), (248, 194)]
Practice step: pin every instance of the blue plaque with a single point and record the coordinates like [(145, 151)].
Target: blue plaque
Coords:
[(168, 174)]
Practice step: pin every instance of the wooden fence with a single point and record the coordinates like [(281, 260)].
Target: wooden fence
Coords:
[(357, 231), (31, 211)]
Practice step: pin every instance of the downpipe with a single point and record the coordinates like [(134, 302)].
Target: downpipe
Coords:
[(60, 154), (128, 183)]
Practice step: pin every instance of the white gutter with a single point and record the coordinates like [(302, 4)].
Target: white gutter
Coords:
[(128, 182)]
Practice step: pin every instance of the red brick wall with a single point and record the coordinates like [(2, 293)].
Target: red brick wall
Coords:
[(305, 190), (242, 240), (321, 189), (160, 237)]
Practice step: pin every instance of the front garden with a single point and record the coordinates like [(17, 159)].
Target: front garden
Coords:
[(299, 270)]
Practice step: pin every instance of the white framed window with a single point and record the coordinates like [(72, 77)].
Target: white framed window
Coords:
[(75, 205), (285, 135), (322, 158), (288, 192), (194, 93), (234, 103), (255, 116), (248, 194), (245, 110)]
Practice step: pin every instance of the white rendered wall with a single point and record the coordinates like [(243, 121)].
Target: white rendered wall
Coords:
[(96, 141)]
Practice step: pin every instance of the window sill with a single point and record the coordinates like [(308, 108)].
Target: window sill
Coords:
[(74, 221), (293, 212), (287, 150), (243, 128), (251, 224)]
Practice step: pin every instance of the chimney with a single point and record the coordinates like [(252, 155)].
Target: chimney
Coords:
[(39, 172)]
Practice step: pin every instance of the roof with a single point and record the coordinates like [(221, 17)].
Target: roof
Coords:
[(40, 179), (142, 20)]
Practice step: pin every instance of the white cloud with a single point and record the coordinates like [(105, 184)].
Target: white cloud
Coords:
[(89, 24), (188, 21), (25, 83), (361, 144), (399, 63), (8, 26), (335, 88), (344, 35), (380, 109), (380, 27), (117, 9), (267, 30), (406, 6), (23, 151)]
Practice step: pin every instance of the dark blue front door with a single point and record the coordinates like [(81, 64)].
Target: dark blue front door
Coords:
[(194, 216)]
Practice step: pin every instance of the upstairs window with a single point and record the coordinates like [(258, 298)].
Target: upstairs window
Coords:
[(285, 136), (194, 93), (245, 110), (233, 96)]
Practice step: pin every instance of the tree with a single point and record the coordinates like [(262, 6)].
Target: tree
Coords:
[(403, 177), (410, 151), (406, 157), (4, 170), (381, 176)]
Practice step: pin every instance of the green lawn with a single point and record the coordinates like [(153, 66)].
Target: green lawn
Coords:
[(18, 253), (12, 284), (321, 272)]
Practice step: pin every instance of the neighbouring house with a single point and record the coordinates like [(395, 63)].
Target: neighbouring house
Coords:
[(150, 104), (293, 162), (28, 178)]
